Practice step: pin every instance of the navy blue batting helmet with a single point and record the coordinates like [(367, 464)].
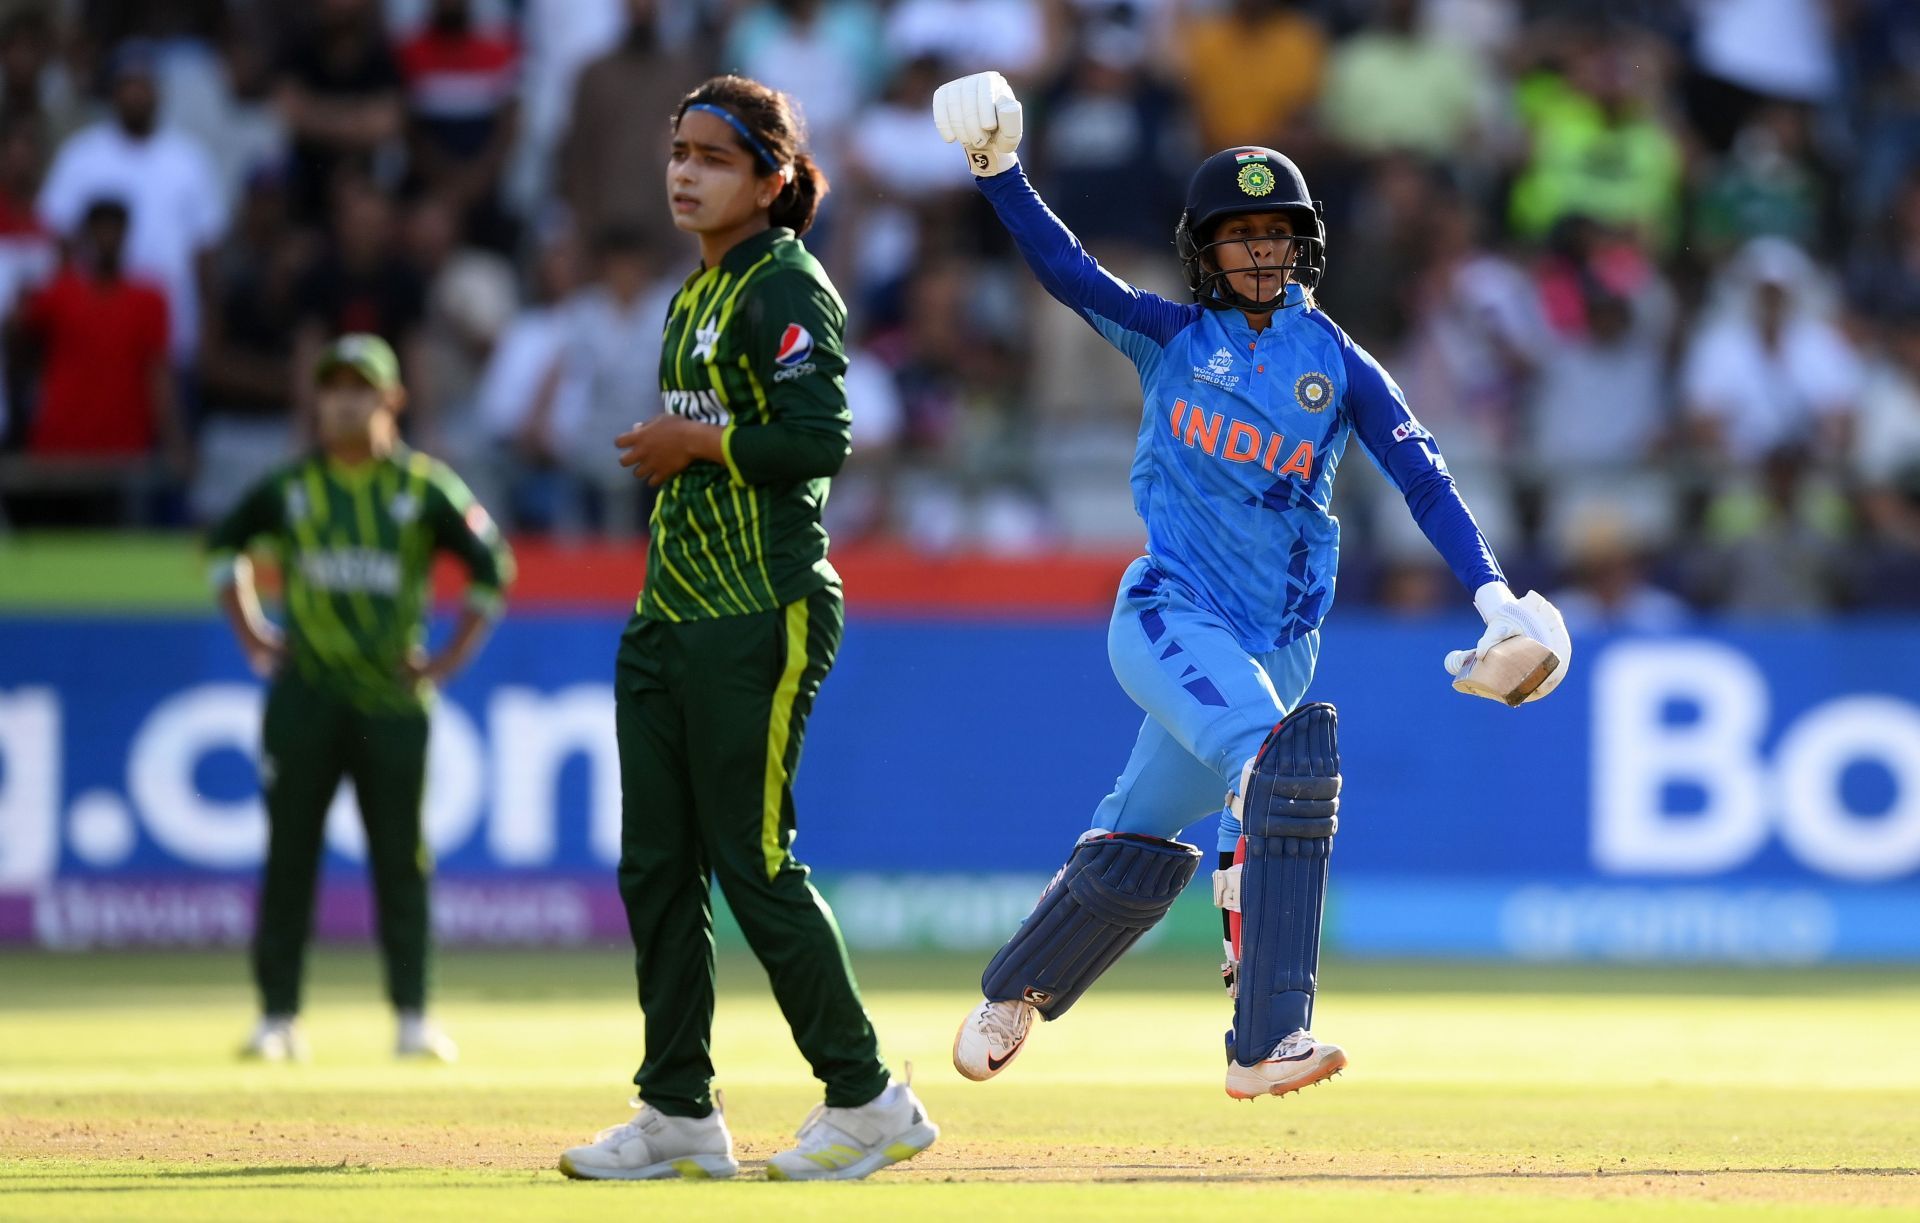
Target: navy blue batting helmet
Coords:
[(1234, 182)]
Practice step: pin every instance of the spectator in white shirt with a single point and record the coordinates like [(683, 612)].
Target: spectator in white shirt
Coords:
[(527, 404), (1600, 403), (173, 192), (862, 503), (825, 54), (558, 38), (1886, 449), (612, 337), (222, 97), (1769, 371), (1008, 36), (1747, 52), (905, 181)]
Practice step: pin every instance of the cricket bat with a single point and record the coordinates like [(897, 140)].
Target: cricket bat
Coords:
[(1510, 672)]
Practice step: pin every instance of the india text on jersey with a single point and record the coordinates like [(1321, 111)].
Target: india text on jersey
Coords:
[(1241, 442)]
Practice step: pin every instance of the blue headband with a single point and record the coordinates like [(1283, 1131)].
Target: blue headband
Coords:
[(733, 121)]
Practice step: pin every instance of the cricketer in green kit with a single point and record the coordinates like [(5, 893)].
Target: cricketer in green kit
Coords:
[(355, 525), (718, 670)]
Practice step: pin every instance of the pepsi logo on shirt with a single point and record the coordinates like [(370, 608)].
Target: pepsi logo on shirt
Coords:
[(796, 345)]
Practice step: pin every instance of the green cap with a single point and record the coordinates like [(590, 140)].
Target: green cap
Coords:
[(367, 355)]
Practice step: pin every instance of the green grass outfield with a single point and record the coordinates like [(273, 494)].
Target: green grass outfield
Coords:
[(1486, 1093), (68, 571)]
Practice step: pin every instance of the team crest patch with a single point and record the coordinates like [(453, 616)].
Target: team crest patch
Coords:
[(1313, 392), (706, 339), (1256, 178), (796, 345)]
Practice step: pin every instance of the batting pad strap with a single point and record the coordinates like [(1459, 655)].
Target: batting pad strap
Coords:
[(1226, 888), (1113, 889), (1285, 801), (1294, 826)]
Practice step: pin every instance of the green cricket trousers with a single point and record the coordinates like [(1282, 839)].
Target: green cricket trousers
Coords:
[(312, 738), (711, 714)]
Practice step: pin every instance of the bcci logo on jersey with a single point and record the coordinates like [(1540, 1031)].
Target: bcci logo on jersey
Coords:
[(1313, 391), (1217, 371)]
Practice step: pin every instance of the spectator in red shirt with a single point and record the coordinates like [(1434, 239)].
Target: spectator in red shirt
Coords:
[(462, 117), (106, 391)]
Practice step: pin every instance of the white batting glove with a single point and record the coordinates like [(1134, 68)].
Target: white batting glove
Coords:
[(982, 115), (1531, 617)]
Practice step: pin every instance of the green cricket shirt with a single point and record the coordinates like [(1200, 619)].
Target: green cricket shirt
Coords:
[(755, 345), (355, 547)]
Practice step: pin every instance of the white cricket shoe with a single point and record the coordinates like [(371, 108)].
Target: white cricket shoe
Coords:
[(277, 1038), (1297, 1061), (990, 1037), (653, 1146), (421, 1038), (846, 1144)]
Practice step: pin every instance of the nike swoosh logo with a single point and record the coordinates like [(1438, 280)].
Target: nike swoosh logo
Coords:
[(994, 1063)]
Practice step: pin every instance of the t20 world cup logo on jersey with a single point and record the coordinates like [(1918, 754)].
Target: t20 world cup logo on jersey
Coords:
[(1218, 371)]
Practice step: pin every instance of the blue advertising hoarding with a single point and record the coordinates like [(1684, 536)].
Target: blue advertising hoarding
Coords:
[(1739, 793)]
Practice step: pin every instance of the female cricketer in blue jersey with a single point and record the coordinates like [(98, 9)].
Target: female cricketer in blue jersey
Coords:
[(1251, 394)]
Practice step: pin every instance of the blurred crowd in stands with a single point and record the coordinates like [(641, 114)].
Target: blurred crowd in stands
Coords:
[(1649, 270)]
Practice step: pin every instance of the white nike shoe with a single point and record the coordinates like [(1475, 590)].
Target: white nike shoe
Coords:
[(1297, 1061), (653, 1146), (277, 1038), (421, 1038), (846, 1144), (990, 1037)]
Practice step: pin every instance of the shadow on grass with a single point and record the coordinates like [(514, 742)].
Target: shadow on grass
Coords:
[(227, 1173), (372, 1178), (119, 980), (1156, 1174), (158, 1178)]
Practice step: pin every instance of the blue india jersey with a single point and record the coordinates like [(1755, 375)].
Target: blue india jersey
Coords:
[(1240, 435)]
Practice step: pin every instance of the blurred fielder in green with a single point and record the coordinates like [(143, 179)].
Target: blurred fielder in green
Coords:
[(355, 524)]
